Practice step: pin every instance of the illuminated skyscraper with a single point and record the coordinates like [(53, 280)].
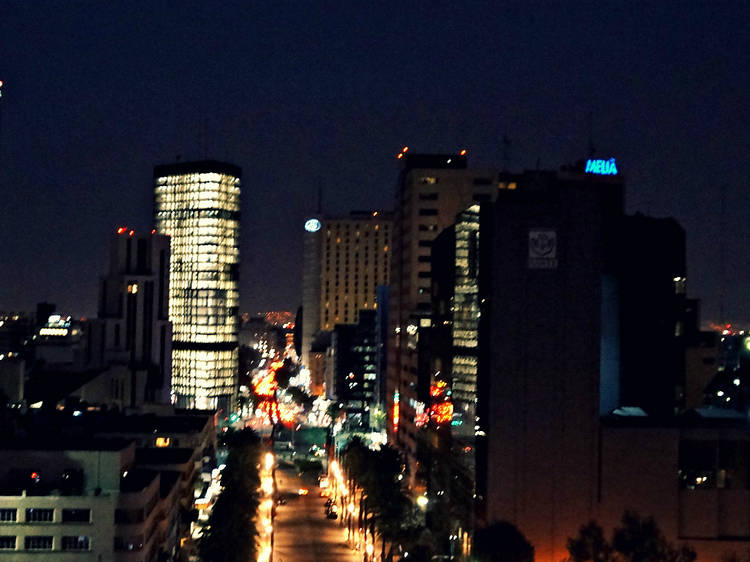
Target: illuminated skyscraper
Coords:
[(198, 205)]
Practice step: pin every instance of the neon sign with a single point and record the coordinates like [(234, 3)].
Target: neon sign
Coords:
[(601, 167)]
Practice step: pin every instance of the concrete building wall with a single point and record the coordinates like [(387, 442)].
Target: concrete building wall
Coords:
[(99, 530), (543, 431), (640, 469)]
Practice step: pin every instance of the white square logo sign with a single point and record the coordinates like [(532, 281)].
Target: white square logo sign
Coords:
[(542, 248)]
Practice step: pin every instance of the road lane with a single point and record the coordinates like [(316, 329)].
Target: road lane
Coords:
[(301, 531)]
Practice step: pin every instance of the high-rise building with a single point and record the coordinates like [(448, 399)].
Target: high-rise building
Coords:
[(355, 350), (432, 190), (554, 352), (455, 323), (345, 259), (132, 325), (197, 204)]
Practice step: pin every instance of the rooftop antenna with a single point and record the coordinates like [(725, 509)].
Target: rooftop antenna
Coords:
[(722, 252), (320, 196), (1, 120)]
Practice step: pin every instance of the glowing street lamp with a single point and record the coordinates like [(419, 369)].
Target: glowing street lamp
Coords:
[(269, 460)]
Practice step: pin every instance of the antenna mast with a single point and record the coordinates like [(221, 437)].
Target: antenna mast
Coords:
[(722, 253), (1, 125), (320, 196)]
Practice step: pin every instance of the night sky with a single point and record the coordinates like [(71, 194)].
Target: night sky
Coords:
[(301, 94)]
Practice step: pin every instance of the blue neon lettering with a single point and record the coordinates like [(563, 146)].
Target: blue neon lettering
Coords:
[(601, 167)]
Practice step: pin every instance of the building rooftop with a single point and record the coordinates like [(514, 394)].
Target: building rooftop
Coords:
[(197, 167), (706, 417), (150, 423), (54, 442), (411, 161), (54, 386), (79, 428), (165, 455)]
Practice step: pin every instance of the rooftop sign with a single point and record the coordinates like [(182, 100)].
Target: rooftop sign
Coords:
[(601, 167), (312, 225)]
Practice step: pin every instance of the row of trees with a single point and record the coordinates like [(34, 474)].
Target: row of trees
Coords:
[(637, 539), (375, 481), (230, 534)]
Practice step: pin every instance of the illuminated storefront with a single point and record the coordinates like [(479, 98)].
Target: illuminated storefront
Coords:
[(198, 205)]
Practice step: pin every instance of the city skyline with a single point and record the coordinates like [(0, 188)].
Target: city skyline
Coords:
[(95, 96)]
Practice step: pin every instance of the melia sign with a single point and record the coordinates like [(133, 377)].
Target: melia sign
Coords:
[(312, 225), (601, 167)]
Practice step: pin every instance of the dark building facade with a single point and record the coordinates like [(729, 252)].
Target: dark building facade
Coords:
[(355, 366), (132, 326), (651, 288), (551, 311)]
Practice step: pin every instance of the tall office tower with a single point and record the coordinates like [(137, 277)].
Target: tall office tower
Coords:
[(456, 324), (554, 352), (311, 269), (432, 190), (132, 325), (346, 258), (197, 204)]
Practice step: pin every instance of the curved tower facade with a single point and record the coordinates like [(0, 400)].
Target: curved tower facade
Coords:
[(197, 204)]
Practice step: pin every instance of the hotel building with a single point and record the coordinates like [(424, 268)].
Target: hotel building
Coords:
[(346, 259), (197, 204)]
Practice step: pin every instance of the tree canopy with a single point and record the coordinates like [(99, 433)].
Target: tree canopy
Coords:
[(502, 542), (230, 533), (637, 539)]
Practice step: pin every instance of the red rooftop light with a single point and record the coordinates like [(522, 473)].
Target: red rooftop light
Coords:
[(122, 229), (131, 233)]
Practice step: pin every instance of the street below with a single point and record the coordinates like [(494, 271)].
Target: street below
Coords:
[(302, 533)]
